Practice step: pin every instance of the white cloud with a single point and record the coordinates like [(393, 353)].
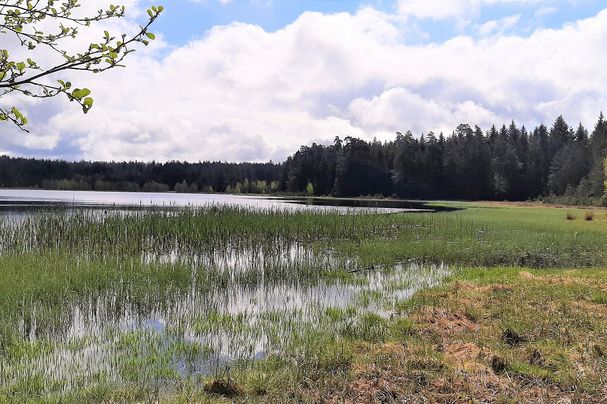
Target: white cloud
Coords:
[(241, 93), (388, 111), (545, 10), (436, 9), (465, 9), (498, 26)]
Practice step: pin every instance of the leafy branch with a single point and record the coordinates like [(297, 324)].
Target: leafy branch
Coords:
[(20, 19)]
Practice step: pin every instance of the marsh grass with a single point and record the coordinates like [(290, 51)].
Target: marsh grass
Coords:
[(131, 306), (161, 305)]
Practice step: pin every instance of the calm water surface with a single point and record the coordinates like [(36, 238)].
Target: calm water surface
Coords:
[(26, 200)]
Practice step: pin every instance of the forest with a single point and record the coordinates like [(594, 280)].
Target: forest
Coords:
[(559, 163)]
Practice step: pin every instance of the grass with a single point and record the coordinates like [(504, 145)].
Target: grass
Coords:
[(492, 335), (192, 305), (492, 236)]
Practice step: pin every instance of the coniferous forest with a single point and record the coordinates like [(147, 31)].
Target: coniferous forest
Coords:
[(561, 162)]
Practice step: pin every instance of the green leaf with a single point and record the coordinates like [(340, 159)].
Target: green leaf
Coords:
[(150, 35), (87, 104), (79, 94)]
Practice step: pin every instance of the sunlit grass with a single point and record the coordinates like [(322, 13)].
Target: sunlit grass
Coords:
[(149, 305)]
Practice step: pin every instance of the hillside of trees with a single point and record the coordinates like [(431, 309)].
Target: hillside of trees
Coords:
[(560, 163)]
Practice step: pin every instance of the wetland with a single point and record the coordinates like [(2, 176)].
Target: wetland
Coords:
[(196, 303)]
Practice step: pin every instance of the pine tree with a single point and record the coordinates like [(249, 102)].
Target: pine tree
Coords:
[(598, 152)]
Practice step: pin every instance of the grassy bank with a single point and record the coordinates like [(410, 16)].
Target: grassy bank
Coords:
[(220, 303), (491, 335)]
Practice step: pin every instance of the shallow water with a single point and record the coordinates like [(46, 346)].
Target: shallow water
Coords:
[(240, 297), (208, 327)]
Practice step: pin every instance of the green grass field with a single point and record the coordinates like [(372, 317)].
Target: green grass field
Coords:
[(488, 303)]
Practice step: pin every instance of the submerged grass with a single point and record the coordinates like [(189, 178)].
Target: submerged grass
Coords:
[(284, 305)]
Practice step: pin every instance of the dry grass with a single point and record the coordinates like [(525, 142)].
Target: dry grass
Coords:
[(520, 336)]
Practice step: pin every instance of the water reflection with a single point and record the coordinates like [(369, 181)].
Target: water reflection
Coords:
[(240, 294), (209, 326)]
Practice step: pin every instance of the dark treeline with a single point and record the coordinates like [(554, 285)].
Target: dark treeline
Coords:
[(508, 163), (138, 176)]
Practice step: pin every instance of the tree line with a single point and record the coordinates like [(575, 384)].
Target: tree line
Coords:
[(139, 176), (560, 162), (507, 163)]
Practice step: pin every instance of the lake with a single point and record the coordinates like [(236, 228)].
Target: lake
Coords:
[(12, 200)]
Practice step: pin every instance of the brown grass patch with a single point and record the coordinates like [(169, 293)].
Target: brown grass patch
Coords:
[(596, 309), (444, 322), (374, 388), (474, 287), (463, 355), (529, 276), (552, 279)]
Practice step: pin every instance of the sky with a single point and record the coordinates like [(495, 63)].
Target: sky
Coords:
[(253, 80)]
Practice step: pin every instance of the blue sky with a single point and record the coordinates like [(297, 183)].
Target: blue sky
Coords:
[(213, 90), (185, 20)]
